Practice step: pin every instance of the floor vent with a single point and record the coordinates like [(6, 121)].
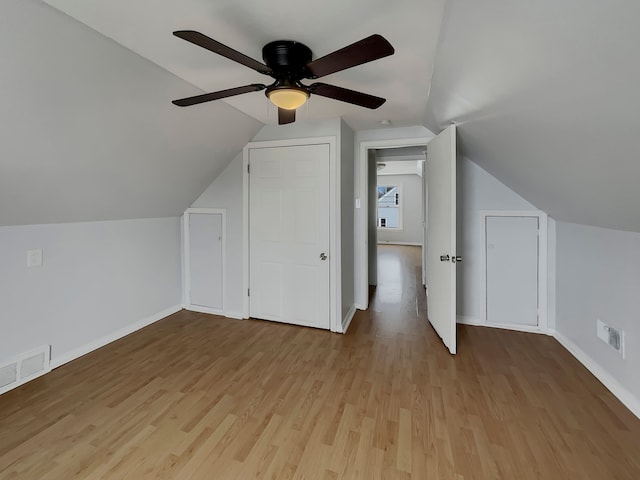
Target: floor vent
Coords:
[(24, 367)]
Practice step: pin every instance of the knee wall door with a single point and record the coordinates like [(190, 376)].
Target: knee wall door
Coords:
[(512, 250)]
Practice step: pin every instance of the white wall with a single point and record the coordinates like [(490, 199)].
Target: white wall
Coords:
[(305, 129), (476, 191), (347, 228), (98, 281), (598, 276), (411, 207)]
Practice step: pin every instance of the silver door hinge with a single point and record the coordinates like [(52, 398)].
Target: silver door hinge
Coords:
[(248, 168), (248, 293)]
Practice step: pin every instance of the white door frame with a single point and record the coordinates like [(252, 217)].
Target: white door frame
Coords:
[(542, 268), (362, 246), (186, 235), (335, 261)]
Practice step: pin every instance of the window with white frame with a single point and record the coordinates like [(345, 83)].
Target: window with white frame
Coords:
[(389, 207)]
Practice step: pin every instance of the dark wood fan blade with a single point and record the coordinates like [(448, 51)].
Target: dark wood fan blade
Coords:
[(286, 116), (346, 95), (207, 97), (203, 41), (366, 50)]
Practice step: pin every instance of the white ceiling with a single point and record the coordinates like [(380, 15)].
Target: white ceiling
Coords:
[(412, 27), (545, 94)]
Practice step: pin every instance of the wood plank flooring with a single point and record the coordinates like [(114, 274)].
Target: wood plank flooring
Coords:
[(202, 397)]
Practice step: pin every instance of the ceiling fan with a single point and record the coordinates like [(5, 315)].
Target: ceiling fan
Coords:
[(288, 62)]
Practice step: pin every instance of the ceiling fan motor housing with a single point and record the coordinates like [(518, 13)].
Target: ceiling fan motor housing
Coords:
[(286, 58)]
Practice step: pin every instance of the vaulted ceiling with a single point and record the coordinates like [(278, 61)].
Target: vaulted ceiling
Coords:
[(544, 94)]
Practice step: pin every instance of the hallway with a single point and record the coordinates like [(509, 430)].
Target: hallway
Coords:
[(398, 303)]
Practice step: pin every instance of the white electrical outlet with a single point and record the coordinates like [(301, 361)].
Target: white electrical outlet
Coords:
[(611, 336), (34, 258)]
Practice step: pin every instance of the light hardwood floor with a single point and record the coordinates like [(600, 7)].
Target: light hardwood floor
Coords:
[(202, 397)]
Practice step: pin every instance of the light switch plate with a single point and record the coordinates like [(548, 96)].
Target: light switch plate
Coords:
[(34, 258)]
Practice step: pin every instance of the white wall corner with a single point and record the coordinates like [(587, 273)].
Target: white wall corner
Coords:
[(614, 386)]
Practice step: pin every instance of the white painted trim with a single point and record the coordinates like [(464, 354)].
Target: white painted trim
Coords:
[(476, 322), (186, 235), (542, 326), (245, 231), (235, 315), (362, 247), (410, 244), (613, 385), (112, 337), (183, 280), (201, 309), (469, 320), (346, 321), (335, 254)]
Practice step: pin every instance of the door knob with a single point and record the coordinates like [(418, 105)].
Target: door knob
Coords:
[(323, 256), (456, 259), (444, 258)]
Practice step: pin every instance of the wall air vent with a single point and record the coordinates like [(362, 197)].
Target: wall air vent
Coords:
[(24, 367)]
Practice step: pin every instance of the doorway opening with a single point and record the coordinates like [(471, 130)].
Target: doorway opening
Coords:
[(392, 204), (400, 203)]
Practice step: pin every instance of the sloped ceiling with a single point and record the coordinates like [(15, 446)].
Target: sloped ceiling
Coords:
[(87, 130), (412, 27), (545, 95)]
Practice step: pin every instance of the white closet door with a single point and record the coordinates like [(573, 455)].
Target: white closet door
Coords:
[(512, 270), (205, 260), (289, 234)]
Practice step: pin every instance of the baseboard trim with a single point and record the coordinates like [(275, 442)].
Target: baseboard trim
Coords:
[(469, 320), (476, 322), (409, 244), (614, 386), (212, 311), (112, 337), (346, 321), (200, 309)]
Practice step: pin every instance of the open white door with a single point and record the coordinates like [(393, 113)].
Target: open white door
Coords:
[(441, 236)]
